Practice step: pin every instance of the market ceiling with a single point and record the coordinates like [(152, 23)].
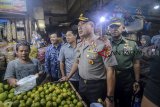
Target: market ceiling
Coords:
[(63, 11)]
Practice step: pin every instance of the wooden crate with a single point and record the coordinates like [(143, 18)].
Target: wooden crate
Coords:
[(79, 97), (77, 94)]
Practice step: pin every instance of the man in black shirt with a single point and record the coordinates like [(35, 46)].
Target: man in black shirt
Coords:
[(151, 96)]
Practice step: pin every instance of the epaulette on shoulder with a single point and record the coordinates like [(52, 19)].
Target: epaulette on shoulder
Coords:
[(79, 41), (64, 44), (79, 44), (102, 38), (130, 39)]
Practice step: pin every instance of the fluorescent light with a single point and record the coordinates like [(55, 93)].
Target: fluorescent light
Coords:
[(156, 7), (102, 19), (41, 24)]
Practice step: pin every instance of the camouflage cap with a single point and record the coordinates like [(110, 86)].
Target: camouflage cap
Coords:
[(115, 21)]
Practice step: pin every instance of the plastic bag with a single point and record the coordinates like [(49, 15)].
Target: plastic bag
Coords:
[(96, 105), (26, 84)]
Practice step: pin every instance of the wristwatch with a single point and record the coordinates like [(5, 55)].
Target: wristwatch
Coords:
[(110, 98)]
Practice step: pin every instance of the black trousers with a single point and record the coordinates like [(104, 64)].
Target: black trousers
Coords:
[(124, 88), (91, 90), (2, 73), (75, 84)]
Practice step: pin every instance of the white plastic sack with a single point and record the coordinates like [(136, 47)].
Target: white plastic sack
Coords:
[(26, 84), (96, 105)]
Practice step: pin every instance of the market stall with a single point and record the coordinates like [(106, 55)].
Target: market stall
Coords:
[(13, 14)]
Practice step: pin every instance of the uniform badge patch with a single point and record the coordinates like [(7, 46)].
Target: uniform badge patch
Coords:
[(90, 61), (105, 52)]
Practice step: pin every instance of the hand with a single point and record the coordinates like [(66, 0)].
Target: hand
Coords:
[(108, 103), (64, 78), (12, 82), (136, 87), (41, 72)]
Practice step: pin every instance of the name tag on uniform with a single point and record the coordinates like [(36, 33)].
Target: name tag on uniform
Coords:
[(92, 54), (90, 61), (127, 50)]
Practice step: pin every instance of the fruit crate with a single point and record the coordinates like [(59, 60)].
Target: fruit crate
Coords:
[(50, 94), (80, 98), (77, 94)]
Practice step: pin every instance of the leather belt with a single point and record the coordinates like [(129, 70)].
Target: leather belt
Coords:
[(92, 81), (118, 71)]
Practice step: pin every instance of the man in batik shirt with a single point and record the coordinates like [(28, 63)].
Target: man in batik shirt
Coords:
[(51, 57)]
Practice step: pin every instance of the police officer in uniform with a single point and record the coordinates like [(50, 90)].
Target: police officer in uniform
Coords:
[(96, 65), (128, 68)]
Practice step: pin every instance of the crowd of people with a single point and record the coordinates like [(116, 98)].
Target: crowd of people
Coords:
[(111, 69)]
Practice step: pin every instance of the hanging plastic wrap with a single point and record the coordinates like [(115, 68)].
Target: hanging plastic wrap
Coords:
[(10, 55), (2, 61), (5, 31), (3, 46), (9, 34), (13, 27), (20, 35), (20, 30)]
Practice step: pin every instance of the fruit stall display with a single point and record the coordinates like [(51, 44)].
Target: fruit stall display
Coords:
[(47, 95)]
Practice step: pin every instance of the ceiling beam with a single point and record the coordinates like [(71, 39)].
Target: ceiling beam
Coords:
[(72, 5), (54, 14)]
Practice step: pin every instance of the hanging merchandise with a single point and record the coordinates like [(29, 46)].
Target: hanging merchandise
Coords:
[(5, 31), (33, 52), (36, 39), (1, 27), (13, 27), (9, 35), (2, 61), (20, 24), (20, 35), (20, 30), (10, 53)]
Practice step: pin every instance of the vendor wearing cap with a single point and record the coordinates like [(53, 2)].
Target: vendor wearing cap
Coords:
[(95, 63), (128, 68)]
